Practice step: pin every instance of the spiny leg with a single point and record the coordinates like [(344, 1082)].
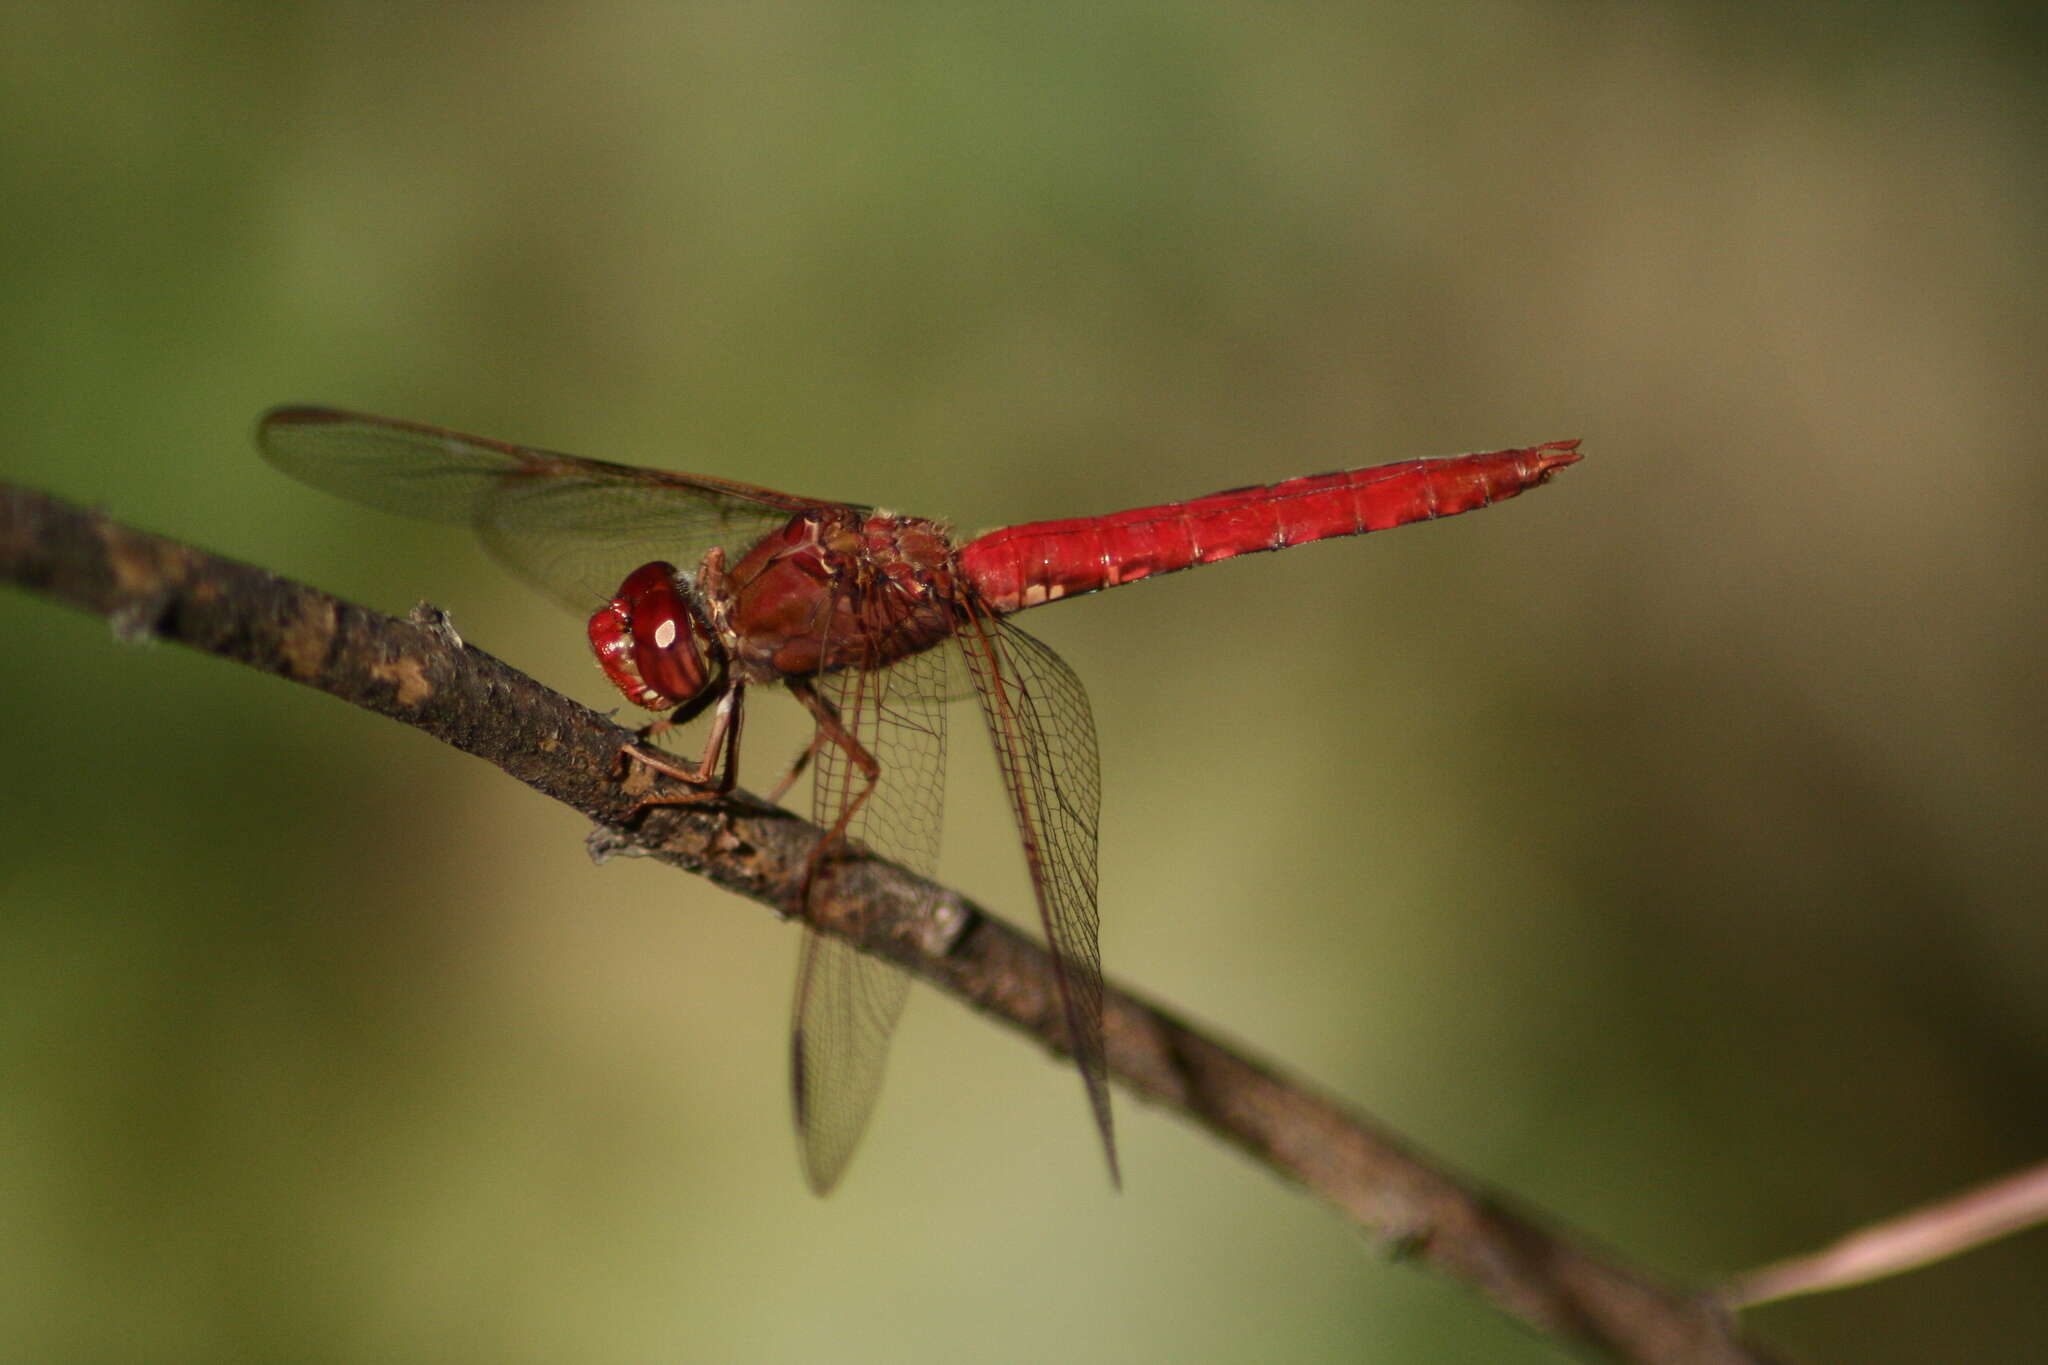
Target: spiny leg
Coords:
[(796, 768), (675, 719), (723, 741), (831, 729)]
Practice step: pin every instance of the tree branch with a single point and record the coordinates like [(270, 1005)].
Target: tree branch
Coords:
[(1907, 1241), (419, 673)]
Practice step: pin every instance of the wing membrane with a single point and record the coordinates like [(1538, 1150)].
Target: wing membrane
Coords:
[(570, 526), (847, 1003), (1044, 735)]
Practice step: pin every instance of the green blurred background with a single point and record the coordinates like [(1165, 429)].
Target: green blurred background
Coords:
[(1666, 847)]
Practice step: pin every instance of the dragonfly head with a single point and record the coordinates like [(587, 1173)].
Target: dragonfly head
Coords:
[(653, 642)]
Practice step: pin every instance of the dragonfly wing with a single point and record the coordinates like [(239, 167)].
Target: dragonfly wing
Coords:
[(575, 538), (847, 1003), (572, 527), (1037, 713)]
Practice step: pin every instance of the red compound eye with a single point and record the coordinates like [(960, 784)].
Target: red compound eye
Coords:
[(651, 641)]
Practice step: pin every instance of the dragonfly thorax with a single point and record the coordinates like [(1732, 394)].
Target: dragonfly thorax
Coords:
[(833, 589)]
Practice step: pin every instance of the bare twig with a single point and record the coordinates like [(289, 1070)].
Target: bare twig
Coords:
[(424, 676), (1913, 1239)]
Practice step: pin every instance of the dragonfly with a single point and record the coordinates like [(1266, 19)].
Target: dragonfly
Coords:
[(699, 588)]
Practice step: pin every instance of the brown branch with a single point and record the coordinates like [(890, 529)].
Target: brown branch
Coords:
[(1913, 1239), (417, 672)]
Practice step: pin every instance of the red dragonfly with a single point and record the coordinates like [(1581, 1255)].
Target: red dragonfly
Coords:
[(868, 618)]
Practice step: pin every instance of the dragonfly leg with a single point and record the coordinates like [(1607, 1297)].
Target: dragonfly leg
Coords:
[(833, 731), (681, 716), (722, 743), (796, 769), (653, 728)]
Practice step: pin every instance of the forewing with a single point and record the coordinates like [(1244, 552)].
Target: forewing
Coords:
[(847, 1003), (570, 526), (1044, 735)]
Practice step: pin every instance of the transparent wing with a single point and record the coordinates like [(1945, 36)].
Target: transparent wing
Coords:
[(572, 527), (847, 1007), (847, 1003), (1037, 713)]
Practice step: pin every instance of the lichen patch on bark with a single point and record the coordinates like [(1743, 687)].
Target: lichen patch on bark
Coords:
[(406, 676), (308, 637)]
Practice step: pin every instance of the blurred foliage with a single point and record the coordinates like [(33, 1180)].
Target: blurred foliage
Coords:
[(1664, 848)]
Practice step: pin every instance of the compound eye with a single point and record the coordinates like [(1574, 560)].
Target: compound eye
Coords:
[(649, 640)]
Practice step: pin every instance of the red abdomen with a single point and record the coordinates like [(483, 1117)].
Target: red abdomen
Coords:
[(1043, 561)]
